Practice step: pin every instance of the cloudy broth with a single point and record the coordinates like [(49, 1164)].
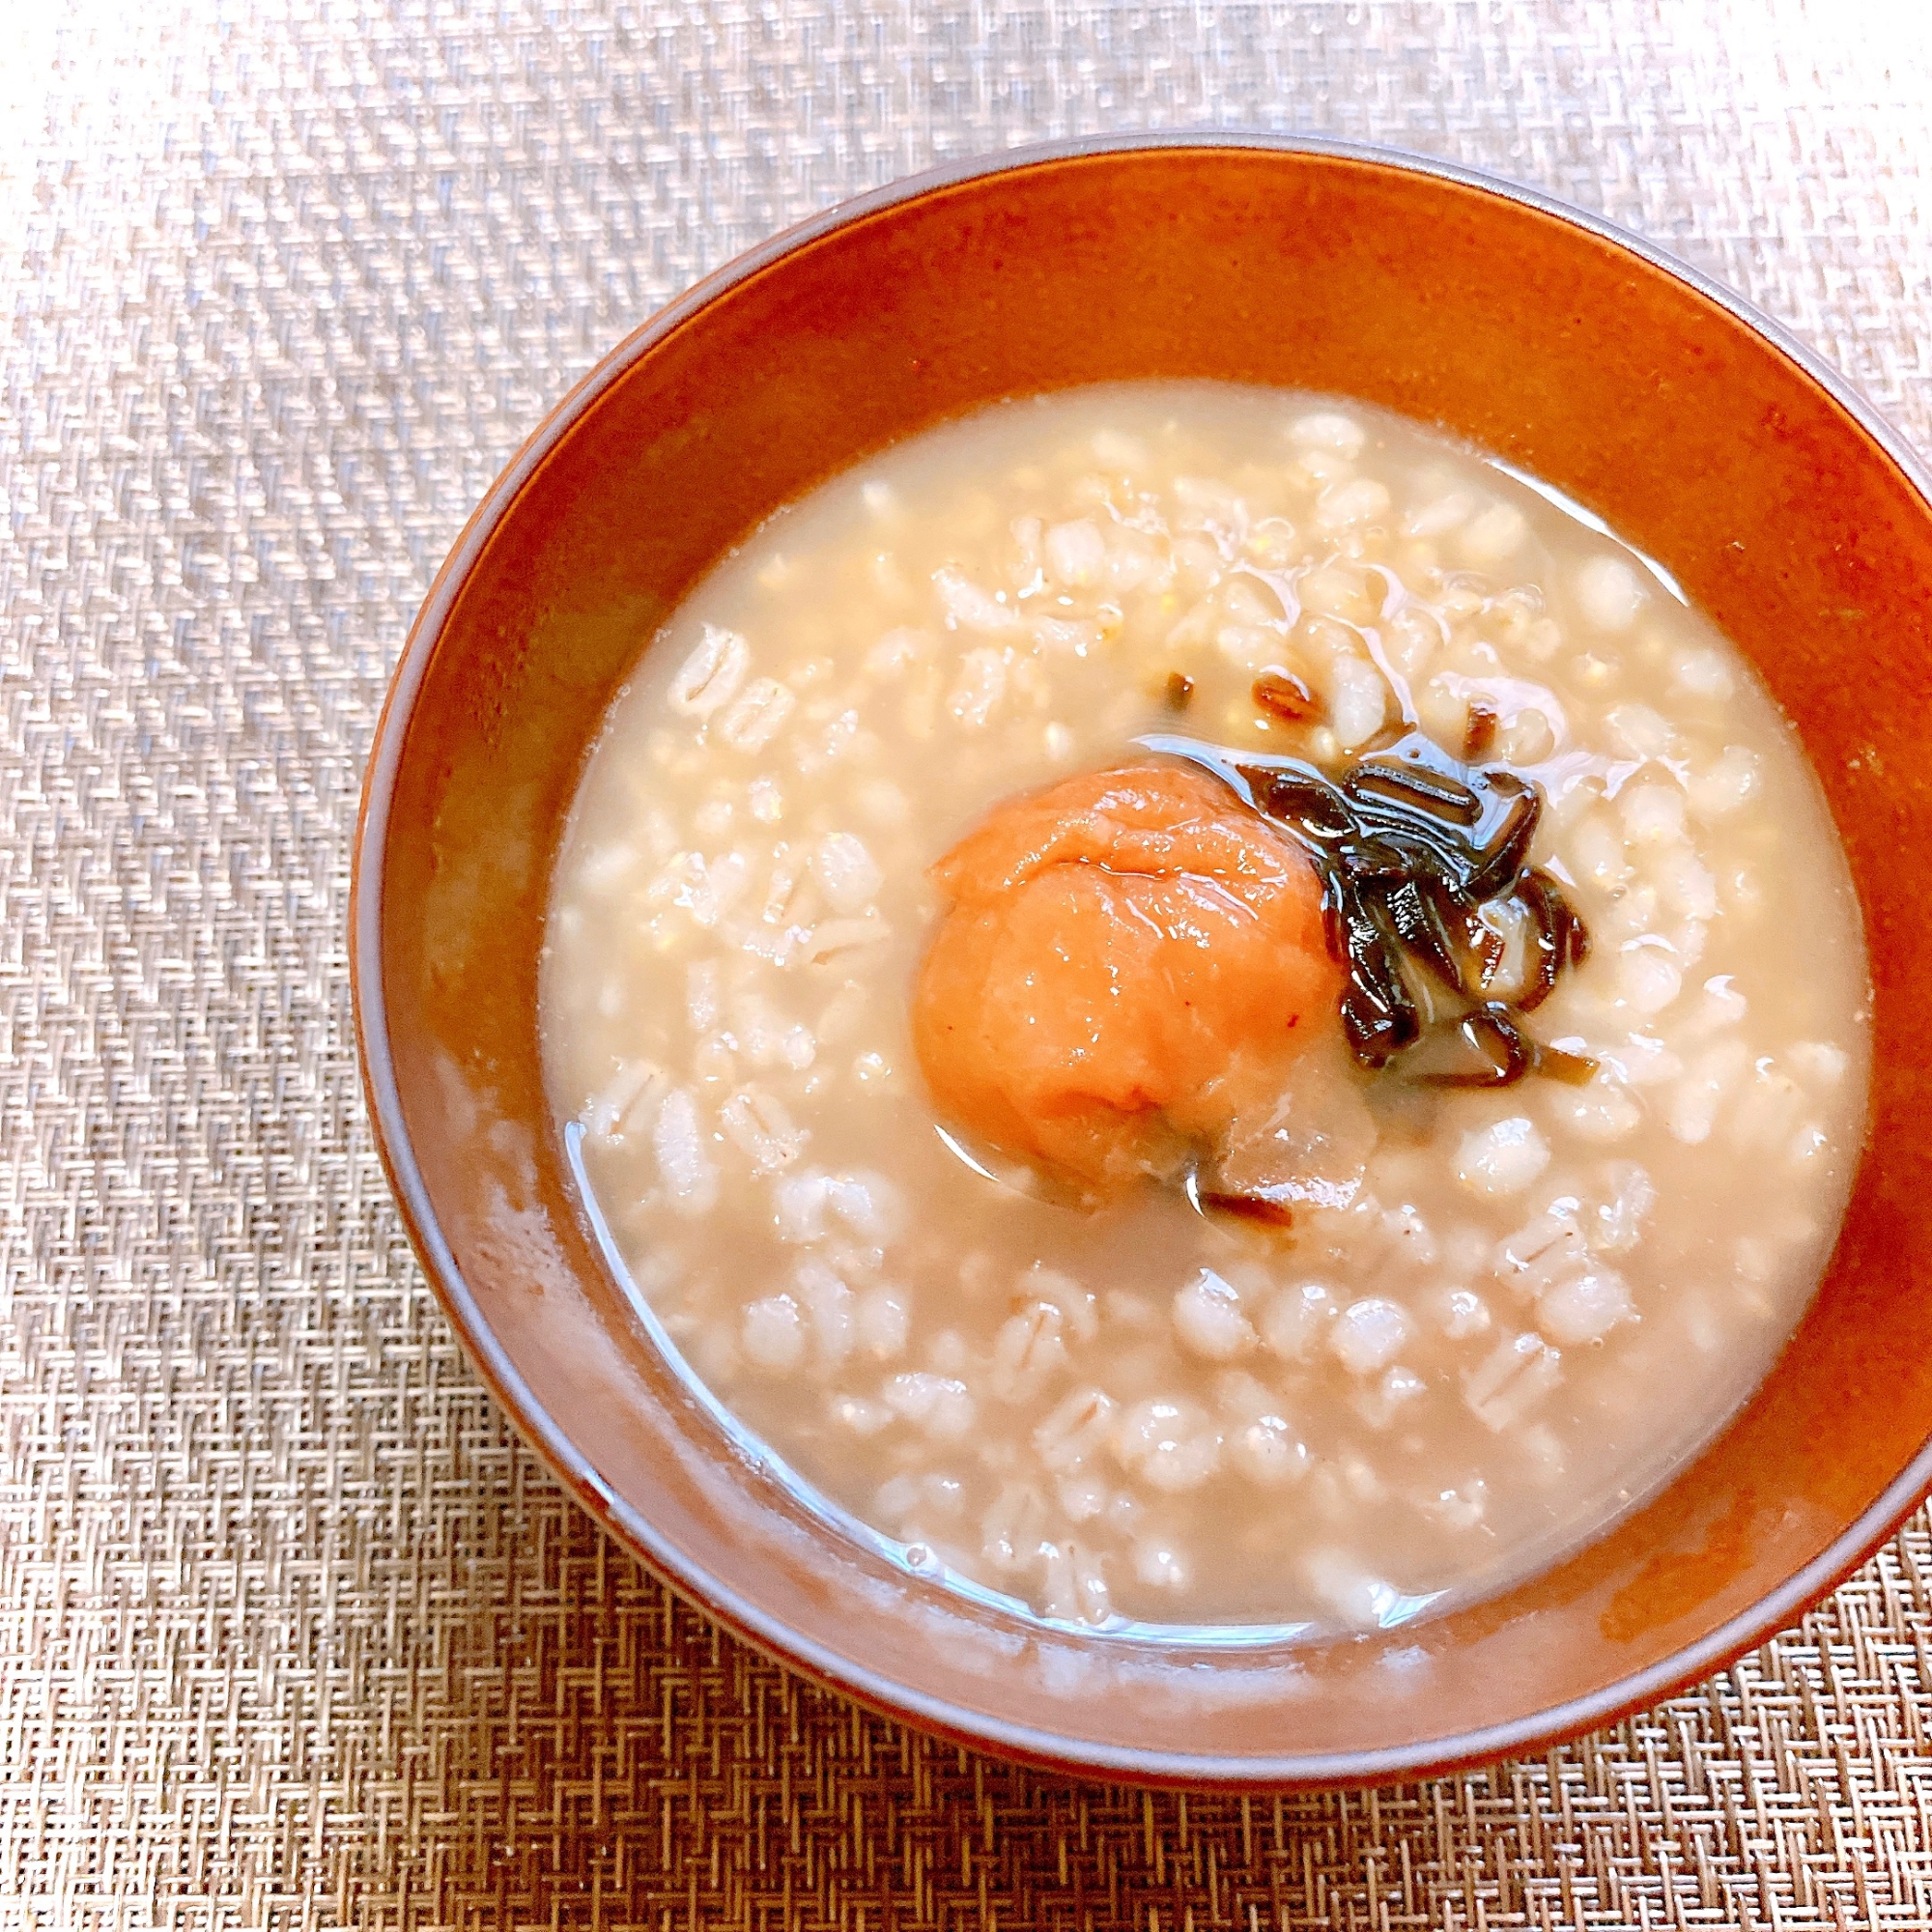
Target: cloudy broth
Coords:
[(1528, 1304)]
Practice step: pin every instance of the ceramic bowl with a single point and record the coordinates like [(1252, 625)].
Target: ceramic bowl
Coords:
[(1693, 426)]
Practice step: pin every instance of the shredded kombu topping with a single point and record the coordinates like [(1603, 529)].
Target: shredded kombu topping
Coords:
[(1425, 869)]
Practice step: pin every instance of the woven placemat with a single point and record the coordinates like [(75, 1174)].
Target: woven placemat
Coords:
[(293, 1631)]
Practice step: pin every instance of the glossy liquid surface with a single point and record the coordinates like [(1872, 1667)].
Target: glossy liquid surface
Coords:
[(1500, 1318)]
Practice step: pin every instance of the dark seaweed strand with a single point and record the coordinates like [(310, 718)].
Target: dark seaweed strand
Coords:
[(1410, 850), (1558, 936), (1507, 1052), (1256, 1208)]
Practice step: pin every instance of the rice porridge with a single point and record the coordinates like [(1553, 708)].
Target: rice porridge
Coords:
[(1017, 1098)]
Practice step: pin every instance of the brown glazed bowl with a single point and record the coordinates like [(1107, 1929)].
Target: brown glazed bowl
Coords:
[(1695, 428)]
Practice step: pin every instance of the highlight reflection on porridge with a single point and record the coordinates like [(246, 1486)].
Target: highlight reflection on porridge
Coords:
[(1205, 1007)]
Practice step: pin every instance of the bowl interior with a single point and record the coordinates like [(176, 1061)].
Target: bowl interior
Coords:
[(1688, 431)]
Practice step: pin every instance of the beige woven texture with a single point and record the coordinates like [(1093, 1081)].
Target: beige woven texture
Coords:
[(293, 1631)]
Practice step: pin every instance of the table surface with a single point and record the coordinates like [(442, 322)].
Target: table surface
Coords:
[(293, 1630)]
